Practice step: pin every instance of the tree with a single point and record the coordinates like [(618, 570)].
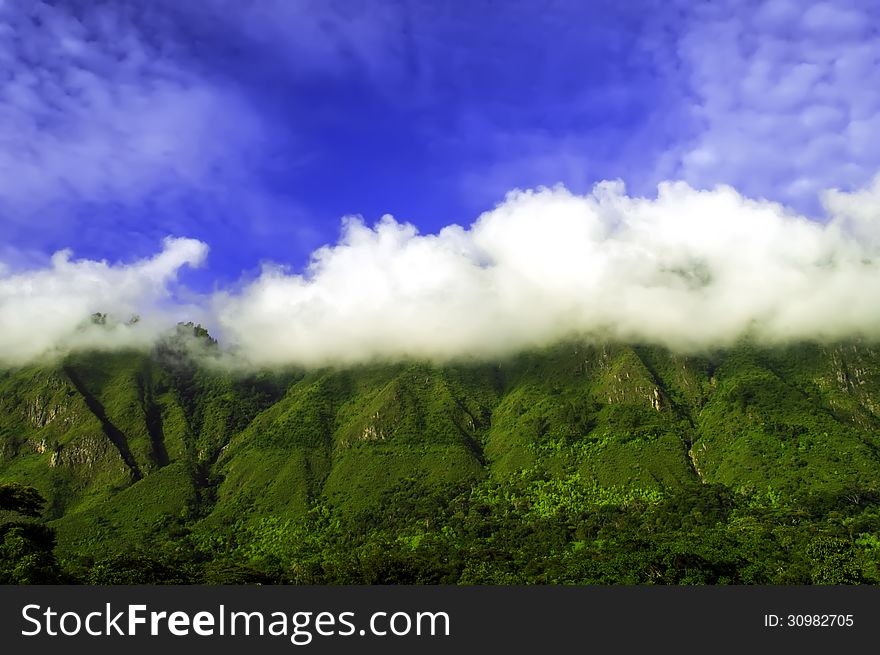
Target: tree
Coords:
[(26, 547), (835, 561), (21, 499)]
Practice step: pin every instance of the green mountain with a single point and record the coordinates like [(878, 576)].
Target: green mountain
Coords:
[(576, 463)]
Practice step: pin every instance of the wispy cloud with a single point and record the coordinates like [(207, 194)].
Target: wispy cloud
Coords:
[(787, 98), (93, 107), (108, 136), (777, 98)]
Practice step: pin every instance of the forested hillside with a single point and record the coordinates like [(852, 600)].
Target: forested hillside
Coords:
[(575, 464)]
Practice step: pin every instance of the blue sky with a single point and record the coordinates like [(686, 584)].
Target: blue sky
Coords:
[(553, 168), (256, 126)]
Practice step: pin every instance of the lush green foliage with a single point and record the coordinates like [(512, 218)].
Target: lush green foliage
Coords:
[(576, 464), (26, 548)]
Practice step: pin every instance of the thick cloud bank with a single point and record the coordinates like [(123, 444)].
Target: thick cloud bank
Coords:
[(48, 311), (688, 269)]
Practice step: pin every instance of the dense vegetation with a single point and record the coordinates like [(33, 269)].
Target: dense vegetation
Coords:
[(574, 464)]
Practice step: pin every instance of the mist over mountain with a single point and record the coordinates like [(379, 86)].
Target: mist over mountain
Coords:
[(689, 270)]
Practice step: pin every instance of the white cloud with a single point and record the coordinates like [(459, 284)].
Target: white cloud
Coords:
[(787, 95), (46, 311), (96, 107), (689, 269)]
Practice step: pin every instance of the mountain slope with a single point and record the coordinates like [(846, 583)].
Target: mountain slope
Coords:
[(140, 450)]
